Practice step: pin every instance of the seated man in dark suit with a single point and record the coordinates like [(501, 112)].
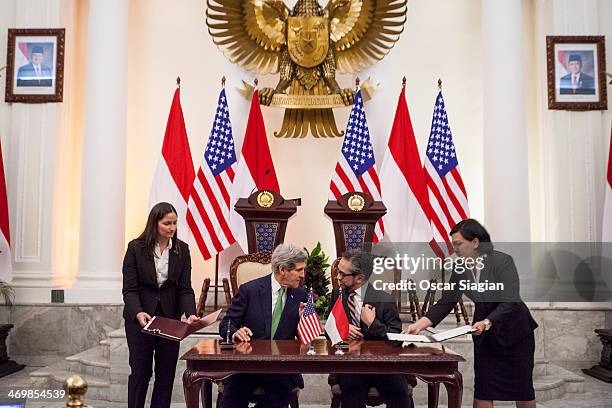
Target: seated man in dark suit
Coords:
[(266, 308), (576, 82), (371, 314)]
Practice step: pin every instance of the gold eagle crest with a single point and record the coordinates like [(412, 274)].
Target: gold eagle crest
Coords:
[(306, 45)]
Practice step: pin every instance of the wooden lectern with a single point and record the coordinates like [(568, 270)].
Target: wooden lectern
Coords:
[(354, 216), (265, 215)]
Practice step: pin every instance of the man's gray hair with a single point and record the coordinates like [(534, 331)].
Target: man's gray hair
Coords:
[(286, 256)]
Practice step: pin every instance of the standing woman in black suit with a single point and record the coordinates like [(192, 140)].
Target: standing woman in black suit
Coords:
[(156, 281), (504, 343)]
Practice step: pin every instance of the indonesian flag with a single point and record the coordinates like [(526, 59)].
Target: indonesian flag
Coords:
[(403, 183), (606, 234), (255, 169), (337, 325), (174, 174), (6, 270)]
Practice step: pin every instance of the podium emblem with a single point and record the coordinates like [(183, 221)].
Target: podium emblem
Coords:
[(356, 202), (265, 199)]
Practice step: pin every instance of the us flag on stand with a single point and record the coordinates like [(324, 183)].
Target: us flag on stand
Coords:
[(356, 168), (447, 194), (209, 200), (309, 327)]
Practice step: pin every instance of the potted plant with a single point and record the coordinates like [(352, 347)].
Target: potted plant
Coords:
[(316, 278)]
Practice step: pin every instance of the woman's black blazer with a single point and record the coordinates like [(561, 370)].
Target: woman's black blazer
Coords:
[(510, 317), (141, 292)]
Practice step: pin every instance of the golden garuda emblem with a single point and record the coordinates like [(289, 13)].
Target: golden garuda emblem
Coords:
[(306, 45)]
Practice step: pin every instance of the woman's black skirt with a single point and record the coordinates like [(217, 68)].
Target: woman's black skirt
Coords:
[(504, 373)]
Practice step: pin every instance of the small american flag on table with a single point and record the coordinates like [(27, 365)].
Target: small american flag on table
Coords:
[(309, 327)]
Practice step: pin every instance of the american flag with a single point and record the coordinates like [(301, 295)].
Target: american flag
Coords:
[(447, 194), (356, 168), (209, 200), (309, 327)]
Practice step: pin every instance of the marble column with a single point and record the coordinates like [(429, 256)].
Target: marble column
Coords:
[(102, 225), (505, 171), (31, 135)]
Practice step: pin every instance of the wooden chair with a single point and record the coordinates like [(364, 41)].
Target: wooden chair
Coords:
[(203, 295), (243, 269)]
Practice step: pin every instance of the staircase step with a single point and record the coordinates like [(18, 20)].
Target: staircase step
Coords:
[(50, 377), (91, 362)]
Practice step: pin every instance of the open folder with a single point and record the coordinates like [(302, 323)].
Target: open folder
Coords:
[(175, 329), (434, 338)]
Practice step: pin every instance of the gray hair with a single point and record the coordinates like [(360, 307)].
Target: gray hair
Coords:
[(286, 256)]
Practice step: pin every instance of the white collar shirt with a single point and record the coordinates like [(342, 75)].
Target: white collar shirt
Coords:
[(161, 263)]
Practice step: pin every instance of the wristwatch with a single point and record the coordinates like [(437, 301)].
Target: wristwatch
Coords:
[(487, 324)]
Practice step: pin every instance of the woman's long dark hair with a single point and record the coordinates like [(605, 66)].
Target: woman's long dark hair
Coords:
[(470, 229), (149, 235)]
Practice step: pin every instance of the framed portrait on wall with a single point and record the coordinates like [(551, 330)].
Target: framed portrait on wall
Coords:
[(576, 73), (35, 65)]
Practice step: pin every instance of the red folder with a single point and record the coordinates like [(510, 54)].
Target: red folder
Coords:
[(175, 329)]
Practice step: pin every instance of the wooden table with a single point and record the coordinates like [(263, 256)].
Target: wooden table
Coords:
[(206, 362)]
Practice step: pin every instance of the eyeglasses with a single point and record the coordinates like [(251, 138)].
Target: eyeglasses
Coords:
[(343, 274)]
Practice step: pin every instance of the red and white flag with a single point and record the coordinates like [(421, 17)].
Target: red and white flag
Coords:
[(356, 168), (255, 169), (447, 194), (606, 233), (337, 325), (174, 174), (403, 184), (209, 201), (6, 269), (309, 326)]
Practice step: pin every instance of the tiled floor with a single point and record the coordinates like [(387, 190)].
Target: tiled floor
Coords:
[(598, 395)]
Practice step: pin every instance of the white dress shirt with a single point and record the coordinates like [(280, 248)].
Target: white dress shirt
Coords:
[(161, 263), (275, 288)]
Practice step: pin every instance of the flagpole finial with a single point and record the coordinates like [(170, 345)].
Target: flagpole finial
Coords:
[(439, 84), (404, 83), (256, 82), (178, 81), (357, 83), (223, 81)]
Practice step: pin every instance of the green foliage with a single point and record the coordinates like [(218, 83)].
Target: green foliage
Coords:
[(316, 277)]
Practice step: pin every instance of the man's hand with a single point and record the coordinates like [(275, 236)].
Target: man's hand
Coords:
[(192, 318), (143, 318), (368, 314), (354, 333), (243, 334), (301, 309), (265, 96)]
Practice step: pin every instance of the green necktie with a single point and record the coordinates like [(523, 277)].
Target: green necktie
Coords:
[(278, 310)]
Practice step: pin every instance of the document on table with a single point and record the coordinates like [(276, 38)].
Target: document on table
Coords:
[(433, 338)]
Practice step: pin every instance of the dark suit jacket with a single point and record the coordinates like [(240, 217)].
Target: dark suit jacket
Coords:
[(510, 318), (387, 318), (26, 76), (141, 292), (585, 86), (252, 307)]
